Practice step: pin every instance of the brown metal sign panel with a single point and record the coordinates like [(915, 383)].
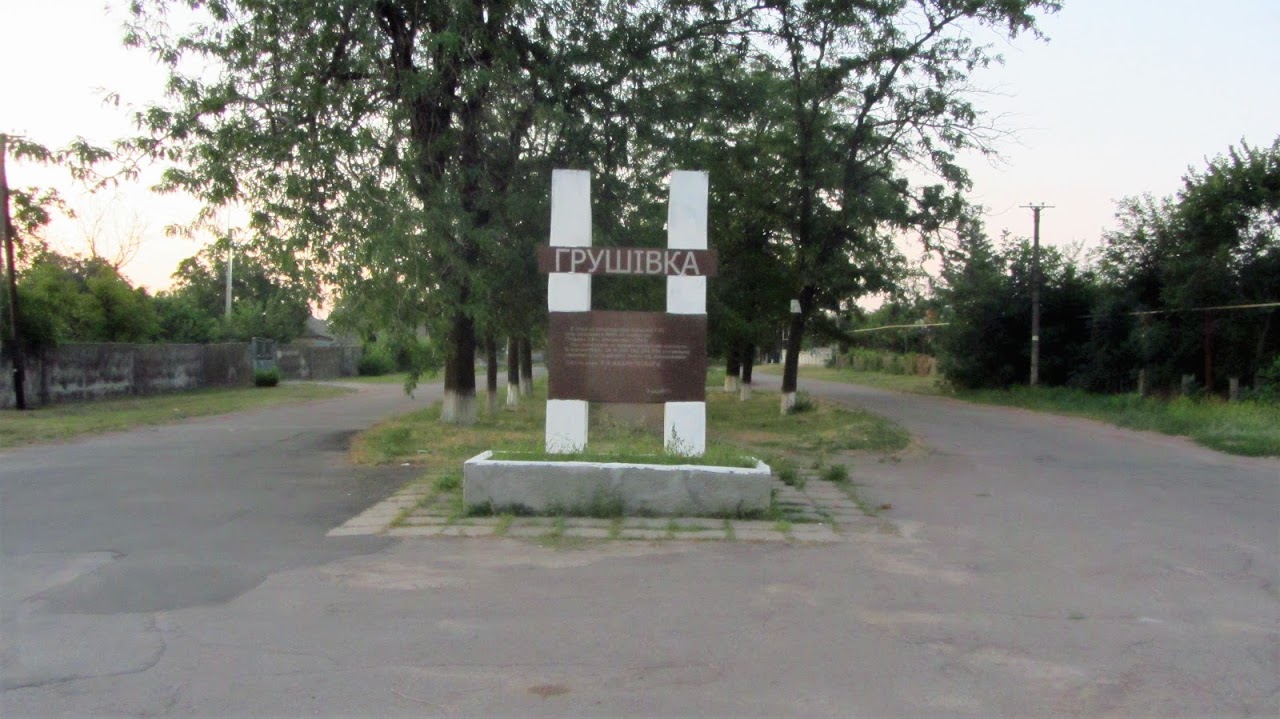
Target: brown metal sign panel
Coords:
[(640, 357), (649, 261)]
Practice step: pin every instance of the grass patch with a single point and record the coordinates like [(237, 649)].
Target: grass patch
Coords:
[(787, 471), (1245, 428), (823, 429), (736, 430), (1248, 428), (644, 452), (64, 421), (393, 378), (913, 384)]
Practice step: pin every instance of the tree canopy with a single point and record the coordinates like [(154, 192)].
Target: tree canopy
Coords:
[(400, 150)]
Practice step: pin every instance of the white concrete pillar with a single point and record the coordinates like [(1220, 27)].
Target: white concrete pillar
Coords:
[(566, 426), (684, 427), (570, 227), (685, 423)]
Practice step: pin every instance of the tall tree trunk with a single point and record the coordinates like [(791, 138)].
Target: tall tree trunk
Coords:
[(732, 366), (791, 363), (748, 362), (14, 340), (526, 366), (513, 371), (491, 373), (795, 336), (459, 406)]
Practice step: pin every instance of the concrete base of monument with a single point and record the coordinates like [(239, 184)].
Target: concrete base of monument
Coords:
[(611, 488)]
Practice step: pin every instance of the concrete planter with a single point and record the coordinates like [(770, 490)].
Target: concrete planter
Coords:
[(602, 488)]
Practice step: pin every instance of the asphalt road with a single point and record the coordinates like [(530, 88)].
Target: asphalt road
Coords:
[(1030, 566)]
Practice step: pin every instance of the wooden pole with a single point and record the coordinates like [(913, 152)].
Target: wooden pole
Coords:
[(1035, 292)]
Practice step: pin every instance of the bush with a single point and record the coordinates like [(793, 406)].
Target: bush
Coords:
[(376, 360), (804, 403), (266, 377), (1268, 382), (788, 473), (836, 473)]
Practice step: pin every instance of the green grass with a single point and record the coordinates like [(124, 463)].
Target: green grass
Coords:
[(1244, 428), (736, 430), (881, 380), (64, 421), (393, 378), (1250, 428)]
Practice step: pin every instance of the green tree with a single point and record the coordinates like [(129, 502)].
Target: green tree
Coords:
[(265, 302), (69, 299), (1216, 244), (376, 141), (988, 305), (871, 88)]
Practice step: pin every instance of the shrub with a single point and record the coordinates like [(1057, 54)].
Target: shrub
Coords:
[(788, 473), (804, 403), (266, 377), (376, 360), (1268, 382), (836, 473)]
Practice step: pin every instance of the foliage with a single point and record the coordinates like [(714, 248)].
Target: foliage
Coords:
[(863, 360), (988, 296), (400, 151), (265, 302), (375, 360), (266, 377), (1216, 244), (868, 89), (836, 474), (804, 403), (70, 299), (384, 148), (1268, 382)]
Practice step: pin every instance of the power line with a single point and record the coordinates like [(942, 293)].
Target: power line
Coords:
[(1180, 310), (896, 327)]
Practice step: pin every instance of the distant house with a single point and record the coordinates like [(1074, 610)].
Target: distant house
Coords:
[(319, 334)]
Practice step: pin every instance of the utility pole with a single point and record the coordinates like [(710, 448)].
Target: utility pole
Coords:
[(6, 227), (1035, 291)]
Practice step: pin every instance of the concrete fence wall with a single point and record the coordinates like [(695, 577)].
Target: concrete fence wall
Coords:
[(816, 357), (888, 362), (309, 362), (83, 372)]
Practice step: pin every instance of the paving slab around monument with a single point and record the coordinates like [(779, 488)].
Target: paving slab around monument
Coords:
[(822, 512)]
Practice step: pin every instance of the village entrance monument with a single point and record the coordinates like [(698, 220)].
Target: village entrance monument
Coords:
[(643, 357), (623, 357)]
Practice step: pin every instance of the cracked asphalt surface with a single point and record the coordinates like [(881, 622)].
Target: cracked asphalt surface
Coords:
[(1030, 566)]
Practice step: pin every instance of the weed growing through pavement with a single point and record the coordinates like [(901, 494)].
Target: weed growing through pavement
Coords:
[(836, 474)]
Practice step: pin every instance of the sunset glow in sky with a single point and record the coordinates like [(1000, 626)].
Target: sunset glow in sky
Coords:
[(1124, 97)]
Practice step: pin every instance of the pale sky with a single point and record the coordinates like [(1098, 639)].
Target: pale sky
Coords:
[(1124, 97)]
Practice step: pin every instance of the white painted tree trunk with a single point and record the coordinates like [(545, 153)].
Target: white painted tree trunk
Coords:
[(731, 384), (788, 401), (458, 408), (513, 394), (744, 391)]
